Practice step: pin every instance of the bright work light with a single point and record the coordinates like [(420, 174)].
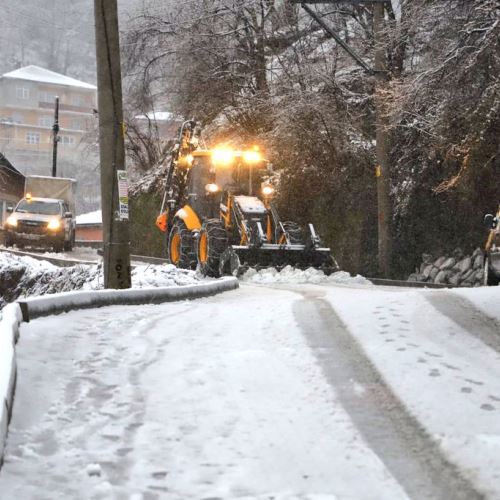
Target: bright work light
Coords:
[(212, 188), (223, 156), (252, 156)]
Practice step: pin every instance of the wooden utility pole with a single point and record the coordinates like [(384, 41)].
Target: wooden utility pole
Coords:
[(55, 130), (382, 169), (116, 251)]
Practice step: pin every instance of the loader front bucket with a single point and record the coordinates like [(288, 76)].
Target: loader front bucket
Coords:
[(279, 256)]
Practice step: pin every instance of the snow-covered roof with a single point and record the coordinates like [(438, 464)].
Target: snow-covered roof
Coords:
[(90, 218), (42, 75), (159, 116)]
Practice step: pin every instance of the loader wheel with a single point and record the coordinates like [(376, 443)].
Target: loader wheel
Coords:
[(211, 244), (180, 246)]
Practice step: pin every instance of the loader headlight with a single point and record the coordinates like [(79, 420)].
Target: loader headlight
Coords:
[(267, 190), (212, 188), (54, 224), (223, 156), (252, 156), (11, 221)]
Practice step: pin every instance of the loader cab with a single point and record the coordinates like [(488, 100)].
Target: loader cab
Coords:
[(248, 178), (201, 175)]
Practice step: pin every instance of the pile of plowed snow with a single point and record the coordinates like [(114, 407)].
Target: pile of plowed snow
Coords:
[(290, 274), (22, 276)]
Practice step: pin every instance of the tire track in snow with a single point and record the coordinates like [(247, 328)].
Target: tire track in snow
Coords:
[(409, 453), (468, 317)]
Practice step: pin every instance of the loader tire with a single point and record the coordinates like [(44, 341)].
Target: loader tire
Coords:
[(181, 246), (212, 243)]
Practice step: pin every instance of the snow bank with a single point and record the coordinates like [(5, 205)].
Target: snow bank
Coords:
[(22, 276), (290, 274), (149, 275), (10, 318)]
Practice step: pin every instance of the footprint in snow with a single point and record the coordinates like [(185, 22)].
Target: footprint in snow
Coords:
[(433, 354), (466, 390), (434, 373), (475, 382), (487, 407), (451, 367)]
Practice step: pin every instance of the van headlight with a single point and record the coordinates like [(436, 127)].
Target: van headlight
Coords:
[(54, 224), (11, 221)]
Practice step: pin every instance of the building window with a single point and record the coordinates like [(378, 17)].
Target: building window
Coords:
[(77, 100), (32, 138), (47, 97), (45, 121), (17, 117), (67, 140), (76, 124), (22, 93)]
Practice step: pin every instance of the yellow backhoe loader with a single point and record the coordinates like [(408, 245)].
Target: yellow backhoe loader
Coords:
[(218, 213)]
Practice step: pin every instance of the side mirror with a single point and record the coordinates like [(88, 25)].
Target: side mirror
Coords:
[(68, 215), (10, 209), (490, 221)]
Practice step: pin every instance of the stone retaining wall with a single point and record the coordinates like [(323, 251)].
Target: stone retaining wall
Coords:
[(456, 270)]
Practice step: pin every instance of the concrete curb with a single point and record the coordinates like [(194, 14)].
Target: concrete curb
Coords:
[(14, 314), (67, 301), (9, 333)]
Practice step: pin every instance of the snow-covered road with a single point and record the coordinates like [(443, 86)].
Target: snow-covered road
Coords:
[(284, 392)]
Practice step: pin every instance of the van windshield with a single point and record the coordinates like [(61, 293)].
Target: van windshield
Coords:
[(38, 207)]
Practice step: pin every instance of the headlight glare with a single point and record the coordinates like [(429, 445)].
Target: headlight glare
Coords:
[(11, 221), (223, 156), (267, 190), (252, 156), (54, 224), (212, 188)]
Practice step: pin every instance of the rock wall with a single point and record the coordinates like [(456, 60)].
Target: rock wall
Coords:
[(456, 270)]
